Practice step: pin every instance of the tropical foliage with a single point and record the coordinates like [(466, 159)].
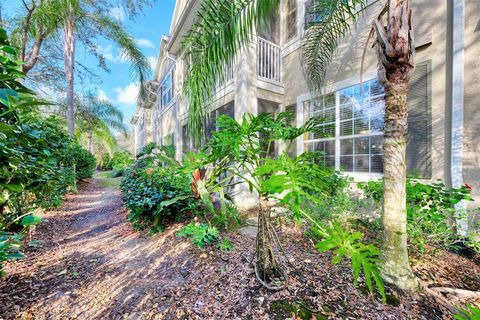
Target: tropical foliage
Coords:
[(148, 189), (223, 28), (97, 122), (37, 155), (430, 210)]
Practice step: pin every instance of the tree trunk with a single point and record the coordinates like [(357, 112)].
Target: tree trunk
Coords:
[(69, 56), (266, 264), (90, 140), (395, 48)]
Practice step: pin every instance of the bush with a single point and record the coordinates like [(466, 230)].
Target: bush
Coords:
[(37, 156), (105, 162), (430, 211), (121, 160), (84, 161), (154, 193)]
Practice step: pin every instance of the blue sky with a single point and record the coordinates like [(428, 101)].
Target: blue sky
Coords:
[(147, 28)]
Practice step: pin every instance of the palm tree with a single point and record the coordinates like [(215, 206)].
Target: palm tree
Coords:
[(96, 119), (396, 56), (225, 27), (77, 20)]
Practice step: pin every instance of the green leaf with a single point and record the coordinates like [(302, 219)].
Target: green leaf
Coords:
[(15, 255), (28, 221)]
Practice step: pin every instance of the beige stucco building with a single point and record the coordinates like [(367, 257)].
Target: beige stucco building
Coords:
[(444, 98)]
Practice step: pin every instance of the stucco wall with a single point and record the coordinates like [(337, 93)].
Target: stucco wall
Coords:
[(430, 26), (168, 122)]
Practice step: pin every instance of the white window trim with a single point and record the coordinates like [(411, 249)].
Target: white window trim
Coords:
[(294, 43), (335, 87), (170, 72)]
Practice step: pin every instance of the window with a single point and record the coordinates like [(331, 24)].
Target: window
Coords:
[(419, 142), (187, 141), (166, 90), (291, 20), (352, 133), (226, 110), (292, 150)]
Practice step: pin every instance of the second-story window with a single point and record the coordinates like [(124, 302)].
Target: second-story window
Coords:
[(291, 20), (166, 89)]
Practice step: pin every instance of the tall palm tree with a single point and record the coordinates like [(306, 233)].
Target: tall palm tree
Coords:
[(225, 27), (96, 119), (77, 20)]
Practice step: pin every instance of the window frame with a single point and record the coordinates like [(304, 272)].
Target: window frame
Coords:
[(291, 13), (168, 75), (306, 100)]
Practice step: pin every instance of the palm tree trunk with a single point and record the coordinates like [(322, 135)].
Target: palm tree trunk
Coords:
[(90, 140), (69, 56), (395, 49), (266, 264)]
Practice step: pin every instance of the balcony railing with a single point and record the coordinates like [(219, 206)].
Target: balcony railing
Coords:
[(228, 75), (269, 61)]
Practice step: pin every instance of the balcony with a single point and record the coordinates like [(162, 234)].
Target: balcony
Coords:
[(267, 68), (269, 61)]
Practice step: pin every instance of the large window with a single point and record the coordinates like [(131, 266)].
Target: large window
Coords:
[(352, 133), (166, 90), (291, 20)]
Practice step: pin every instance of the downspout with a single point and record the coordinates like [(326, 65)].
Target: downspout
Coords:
[(456, 161)]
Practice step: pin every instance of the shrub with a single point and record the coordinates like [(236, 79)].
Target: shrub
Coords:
[(105, 162), (153, 193), (430, 211), (85, 162), (35, 153), (121, 160)]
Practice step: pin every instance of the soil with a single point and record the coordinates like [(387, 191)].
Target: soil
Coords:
[(90, 264)]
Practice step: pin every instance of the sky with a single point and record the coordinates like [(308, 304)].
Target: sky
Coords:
[(117, 86)]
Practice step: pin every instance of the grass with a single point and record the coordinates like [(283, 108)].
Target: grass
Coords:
[(106, 181)]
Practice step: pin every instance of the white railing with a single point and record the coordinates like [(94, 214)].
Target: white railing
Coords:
[(269, 60), (227, 75)]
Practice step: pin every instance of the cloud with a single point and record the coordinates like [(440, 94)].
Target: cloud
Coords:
[(117, 13), (102, 95), (112, 55), (128, 94), (152, 61), (107, 52), (145, 43)]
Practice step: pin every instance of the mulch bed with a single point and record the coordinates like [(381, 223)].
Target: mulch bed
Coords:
[(113, 272)]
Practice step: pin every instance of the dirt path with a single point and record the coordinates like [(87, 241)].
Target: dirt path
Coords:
[(92, 265)]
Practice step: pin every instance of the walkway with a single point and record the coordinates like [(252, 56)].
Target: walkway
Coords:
[(91, 264)]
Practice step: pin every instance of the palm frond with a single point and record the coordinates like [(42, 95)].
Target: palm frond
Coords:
[(104, 136), (327, 22), (114, 31), (222, 29)]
